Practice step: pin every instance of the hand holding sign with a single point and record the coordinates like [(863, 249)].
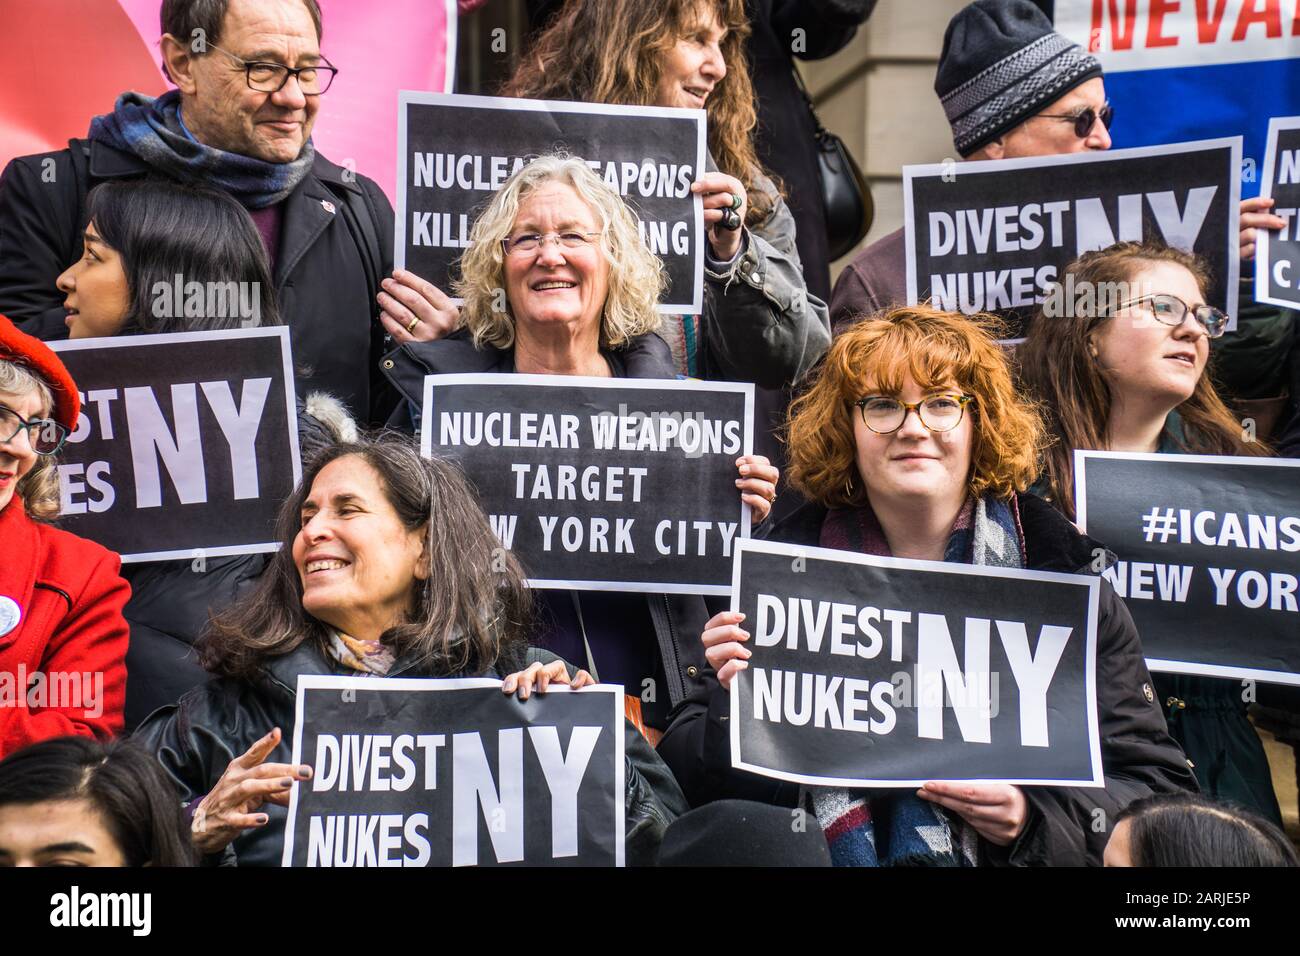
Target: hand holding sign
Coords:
[(1255, 215), (229, 807), (414, 310), (542, 675), (723, 649), (997, 811), (720, 193), (757, 484)]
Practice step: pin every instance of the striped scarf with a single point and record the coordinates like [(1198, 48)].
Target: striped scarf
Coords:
[(889, 827), (151, 129)]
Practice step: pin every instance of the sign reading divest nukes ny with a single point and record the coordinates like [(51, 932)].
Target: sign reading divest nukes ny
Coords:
[(186, 446), (602, 484), (1209, 557), (1277, 253), (411, 772), (454, 152), (993, 236), (882, 672)]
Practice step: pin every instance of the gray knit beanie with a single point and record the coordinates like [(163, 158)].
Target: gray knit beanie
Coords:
[(1001, 63)]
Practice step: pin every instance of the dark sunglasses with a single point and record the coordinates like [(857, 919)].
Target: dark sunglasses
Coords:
[(1084, 122)]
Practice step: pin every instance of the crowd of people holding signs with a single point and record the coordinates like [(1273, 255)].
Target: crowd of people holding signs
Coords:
[(315, 512)]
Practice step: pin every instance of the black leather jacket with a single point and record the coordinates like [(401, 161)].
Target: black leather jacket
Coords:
[(196, 739)]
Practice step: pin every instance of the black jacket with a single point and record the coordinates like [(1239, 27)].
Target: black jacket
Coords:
[(1064, 826), (196, 739), (678, 619), (784, 137), (336, 246)]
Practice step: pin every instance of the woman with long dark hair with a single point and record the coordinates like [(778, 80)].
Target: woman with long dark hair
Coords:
[(1124, 367), (1190, 829), (71, 801), (389, 568)]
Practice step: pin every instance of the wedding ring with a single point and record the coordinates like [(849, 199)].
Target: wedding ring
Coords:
[(414, 323)]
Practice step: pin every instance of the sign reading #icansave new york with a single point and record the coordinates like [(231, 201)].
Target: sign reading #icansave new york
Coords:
[(993, 236), (186, 443), (454, 152), (1209, 557), (455, 773), (883, 672)]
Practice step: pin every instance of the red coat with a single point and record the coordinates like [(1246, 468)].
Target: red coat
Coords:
[(69, 647)]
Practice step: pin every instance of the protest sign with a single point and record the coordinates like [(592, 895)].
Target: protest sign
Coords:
[(883, 672), (1179, 70), (1277, 254), (602, 484), (415, 772), (993, 236), (454, 152), (186, 446), (1209, 557)]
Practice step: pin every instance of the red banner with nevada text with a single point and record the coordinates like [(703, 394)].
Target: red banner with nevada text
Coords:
[(1179, 70)]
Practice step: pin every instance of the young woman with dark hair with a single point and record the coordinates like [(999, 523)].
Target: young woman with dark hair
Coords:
[(1125, 368), (1189, 829), (71, 801), (159, 256)]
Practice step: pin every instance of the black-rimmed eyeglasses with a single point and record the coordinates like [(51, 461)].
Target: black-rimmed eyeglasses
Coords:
[(271, 77), (45, 435), (938, 413)]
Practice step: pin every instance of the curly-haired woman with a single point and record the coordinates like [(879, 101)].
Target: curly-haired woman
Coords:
[(913, 443)]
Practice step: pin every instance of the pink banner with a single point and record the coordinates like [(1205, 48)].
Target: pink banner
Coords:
[(64, 61)]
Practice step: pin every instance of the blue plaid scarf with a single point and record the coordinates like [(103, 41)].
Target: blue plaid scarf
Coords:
[(151, 129), (891, 827)]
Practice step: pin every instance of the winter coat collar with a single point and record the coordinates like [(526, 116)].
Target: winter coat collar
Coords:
[(1052, 543), (646, 356)]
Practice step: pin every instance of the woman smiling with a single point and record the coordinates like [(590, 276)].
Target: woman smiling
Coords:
[(387, 567)]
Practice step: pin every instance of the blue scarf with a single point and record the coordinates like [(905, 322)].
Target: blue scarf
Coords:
[(890, 827), (151, 129)]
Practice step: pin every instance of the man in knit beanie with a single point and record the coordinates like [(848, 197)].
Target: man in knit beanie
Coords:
[(1010, 86)]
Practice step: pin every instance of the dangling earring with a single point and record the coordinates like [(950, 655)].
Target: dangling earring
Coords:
[(848, 487)]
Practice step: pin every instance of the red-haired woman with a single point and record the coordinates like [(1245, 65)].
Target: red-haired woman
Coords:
[(913, 443), (1132, 377)]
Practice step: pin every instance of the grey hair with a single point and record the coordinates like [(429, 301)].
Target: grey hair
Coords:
[(636, 276), (39, 488)]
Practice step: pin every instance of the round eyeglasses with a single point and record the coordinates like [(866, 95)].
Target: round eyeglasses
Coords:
[(44, 435), (1171, 310), (938, 413)]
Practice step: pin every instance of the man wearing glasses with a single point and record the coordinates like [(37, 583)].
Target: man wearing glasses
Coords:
[(1011, 87), (249, 78)]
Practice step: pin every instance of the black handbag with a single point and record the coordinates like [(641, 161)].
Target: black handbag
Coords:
[(846, 198)]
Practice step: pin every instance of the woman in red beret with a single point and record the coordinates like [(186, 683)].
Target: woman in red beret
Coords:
[(62, 635)]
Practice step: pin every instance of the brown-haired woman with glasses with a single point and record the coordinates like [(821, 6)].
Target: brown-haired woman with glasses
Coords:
[(1127, 371), (913, 443)]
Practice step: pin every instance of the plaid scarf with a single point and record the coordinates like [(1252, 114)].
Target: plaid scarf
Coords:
[(890, 827), (151, 129)]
